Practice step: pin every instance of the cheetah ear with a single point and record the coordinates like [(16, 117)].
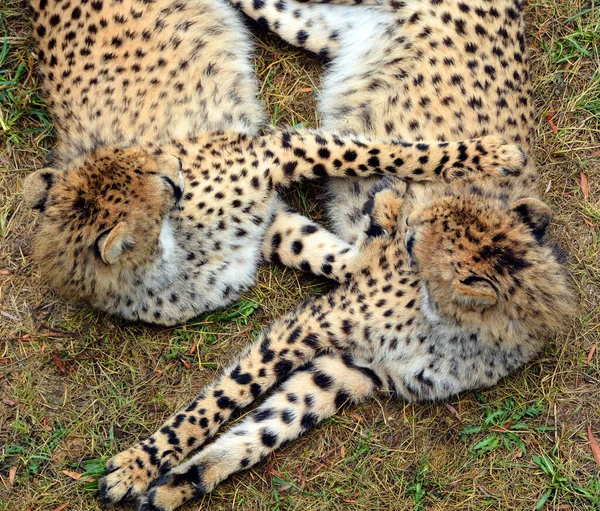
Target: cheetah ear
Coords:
[(37, 186), (475, 291), (416, 218), (110, 245), (535, 214)]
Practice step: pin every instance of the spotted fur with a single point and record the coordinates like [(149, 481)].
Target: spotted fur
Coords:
[(451, 287), (161, 190)]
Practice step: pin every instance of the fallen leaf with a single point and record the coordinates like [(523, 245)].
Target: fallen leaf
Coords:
[(59, 363), (8, 402), (5, 272), (77, 476), (186, 364), (595, 153), (376, 458), (542, 30), (588, 222), (61, 507), (550, 122), (305, 89), (591, 354), (585, 187), (356, 416), (453, 411), (342, 452), (193, 348), (12, 473), (594, 445), (4, 361), (350, 501)]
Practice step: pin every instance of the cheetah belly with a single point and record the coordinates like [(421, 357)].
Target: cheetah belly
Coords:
[(199, 270)]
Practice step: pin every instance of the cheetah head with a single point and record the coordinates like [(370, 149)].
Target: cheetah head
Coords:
[(488, 263), (101, 217)]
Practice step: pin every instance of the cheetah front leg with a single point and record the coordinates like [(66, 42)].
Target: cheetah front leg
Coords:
[(294, 155), (310, 395), (282, 347), (296, 241)]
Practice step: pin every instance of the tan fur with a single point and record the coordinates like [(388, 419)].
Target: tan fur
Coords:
[(140, 90), (464, 294)]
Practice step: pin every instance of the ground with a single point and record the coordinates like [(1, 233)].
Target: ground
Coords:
[(76, 387)]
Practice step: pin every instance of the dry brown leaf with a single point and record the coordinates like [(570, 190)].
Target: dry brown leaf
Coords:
[(594, 445), (12, 473), (59, 363), (595, 153), (585, 187), (305, 89), (5, 272), (356, 416), (591, 354), (453, 411), (588, 222), (8, 402), (350, 501), (550, 122), (186, 364), (342, 452), (193, 348), (61, 507), (77, 476)]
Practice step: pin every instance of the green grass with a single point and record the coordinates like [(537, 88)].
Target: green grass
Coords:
[(520, 446)]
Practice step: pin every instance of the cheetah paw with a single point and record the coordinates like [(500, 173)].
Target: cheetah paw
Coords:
[(174, 489), (130, 473), (508, 159)]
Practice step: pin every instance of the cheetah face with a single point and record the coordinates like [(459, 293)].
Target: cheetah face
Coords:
[(479, 256), (102, 215)]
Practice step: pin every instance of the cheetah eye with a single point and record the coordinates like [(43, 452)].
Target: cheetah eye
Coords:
[(475, 279), (177, 191), (409, 241)]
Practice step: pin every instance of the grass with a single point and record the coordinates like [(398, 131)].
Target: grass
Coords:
[(77, 386)]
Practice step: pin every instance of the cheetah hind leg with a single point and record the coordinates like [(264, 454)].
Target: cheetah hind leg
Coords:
[(309, 395), (313, 25), (282, 347)]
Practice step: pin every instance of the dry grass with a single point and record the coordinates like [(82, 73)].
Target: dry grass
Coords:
[(77, 386)]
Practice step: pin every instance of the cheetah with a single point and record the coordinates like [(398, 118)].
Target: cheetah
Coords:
[(454, 286), (161, 189)]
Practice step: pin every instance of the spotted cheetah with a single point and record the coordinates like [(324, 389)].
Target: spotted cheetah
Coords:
[(453, 287), (161, 190)]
